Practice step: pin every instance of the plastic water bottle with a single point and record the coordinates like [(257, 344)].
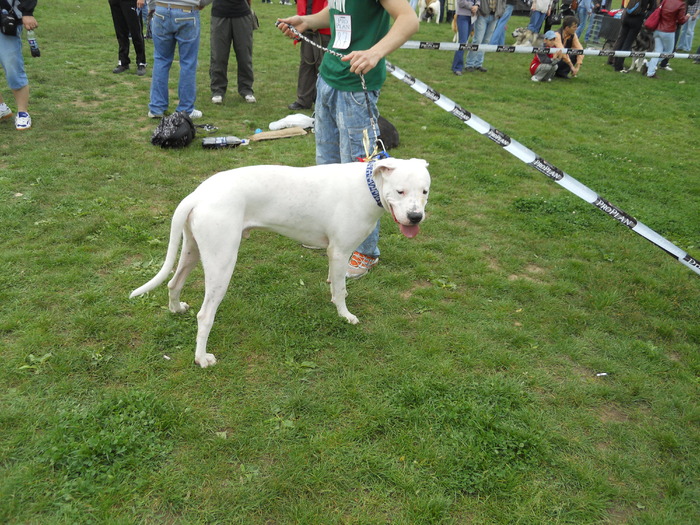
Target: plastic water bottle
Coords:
[(33, 44), (221, 142)]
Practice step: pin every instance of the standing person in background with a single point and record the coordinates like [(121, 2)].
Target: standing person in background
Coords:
[(539, 10), (311, 56), (499, 34), (127, 26), (488, 14), (584, 13), (13, 63), (361, 31), (175, 24), (465, 10), (630, 26), (232, 22), (673, 14), (685, 40)]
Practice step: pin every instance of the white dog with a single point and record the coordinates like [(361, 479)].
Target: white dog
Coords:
[(429, 10), (335, 206)]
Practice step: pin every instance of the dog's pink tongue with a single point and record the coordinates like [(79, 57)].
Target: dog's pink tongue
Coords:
[(409, 231)]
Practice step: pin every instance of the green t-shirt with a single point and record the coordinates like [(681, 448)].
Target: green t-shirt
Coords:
[(361, 24)]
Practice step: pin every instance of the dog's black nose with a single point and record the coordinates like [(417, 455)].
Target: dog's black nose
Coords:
[(414, 216)]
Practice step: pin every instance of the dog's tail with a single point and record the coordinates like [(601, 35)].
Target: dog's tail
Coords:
[(177, 226)]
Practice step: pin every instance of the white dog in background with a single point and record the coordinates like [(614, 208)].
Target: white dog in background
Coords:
[(429, 10), (335, 206)]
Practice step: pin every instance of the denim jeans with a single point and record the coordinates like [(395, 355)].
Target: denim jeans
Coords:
[(685, 40), (12, 61), (499, 34), (483, 29), (536, 20), (174, 27), (464, 27), (663, 43), (582, 14), (340, 120)]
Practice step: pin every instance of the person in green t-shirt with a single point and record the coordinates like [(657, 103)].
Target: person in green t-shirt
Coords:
[(361, 31)]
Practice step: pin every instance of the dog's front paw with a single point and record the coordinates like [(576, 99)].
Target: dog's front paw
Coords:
[(206, 360), (351, 318), (179, 308)]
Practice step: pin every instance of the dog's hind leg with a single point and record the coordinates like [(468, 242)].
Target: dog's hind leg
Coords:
[(338, 262), (189, 257), (219, 257)]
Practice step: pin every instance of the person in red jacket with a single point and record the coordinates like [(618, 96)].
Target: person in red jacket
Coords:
[(311, 56), (673, 14)]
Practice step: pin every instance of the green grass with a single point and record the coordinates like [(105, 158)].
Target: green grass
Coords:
[(470, 391)]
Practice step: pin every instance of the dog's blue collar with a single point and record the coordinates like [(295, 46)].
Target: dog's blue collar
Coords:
[(371, 184)]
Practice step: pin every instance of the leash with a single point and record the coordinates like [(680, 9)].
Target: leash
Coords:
[(376, 152)]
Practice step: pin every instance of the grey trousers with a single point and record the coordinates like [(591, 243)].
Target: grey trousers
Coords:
[(546, 72), (311, 58), (224, 33)]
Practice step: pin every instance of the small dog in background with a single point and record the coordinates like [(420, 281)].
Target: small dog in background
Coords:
[(643, 42), (429, 10), (524, 37)]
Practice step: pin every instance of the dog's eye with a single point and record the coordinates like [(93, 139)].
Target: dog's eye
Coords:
[(400, 192), (425, 192)]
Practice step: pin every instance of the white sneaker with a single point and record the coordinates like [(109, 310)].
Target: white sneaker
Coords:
[(153, 115), (196, 114), (217, 99), (5, 112), (23, 120), (250, 99), (667, 68), (534, 78)]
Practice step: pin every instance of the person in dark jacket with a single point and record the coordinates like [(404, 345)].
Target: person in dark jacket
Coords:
[(232, 23), (630, 26), (13, 63)]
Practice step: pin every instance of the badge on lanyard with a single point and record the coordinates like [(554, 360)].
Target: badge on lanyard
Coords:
[(343, 32)]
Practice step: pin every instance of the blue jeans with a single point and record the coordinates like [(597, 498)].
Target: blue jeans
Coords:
[(483, 29), (536, 21), (663, 43), (582, 15), (499, 34), (685, 40), (464, 27), (340, 119), (12, 61), (171, 27)]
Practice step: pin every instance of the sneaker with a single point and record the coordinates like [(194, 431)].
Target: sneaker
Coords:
[(23, 120), (217, 99), (295, 106), (153, 115), (141, 70), (5, 112), (360, 264), (469, 69), (458, 73), (667, 68), (250, 99), (196, 114), (481, 68), (120, 69), (534, 78)]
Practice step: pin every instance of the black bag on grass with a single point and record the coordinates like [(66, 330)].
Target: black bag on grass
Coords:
[(174, 131)]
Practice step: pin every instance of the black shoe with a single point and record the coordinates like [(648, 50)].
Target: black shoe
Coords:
[(481, 68), (470, 69), (120, 69), (296, 106), (141, 70)]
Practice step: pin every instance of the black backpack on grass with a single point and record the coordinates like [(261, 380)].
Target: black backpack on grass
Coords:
[(174, 131)]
